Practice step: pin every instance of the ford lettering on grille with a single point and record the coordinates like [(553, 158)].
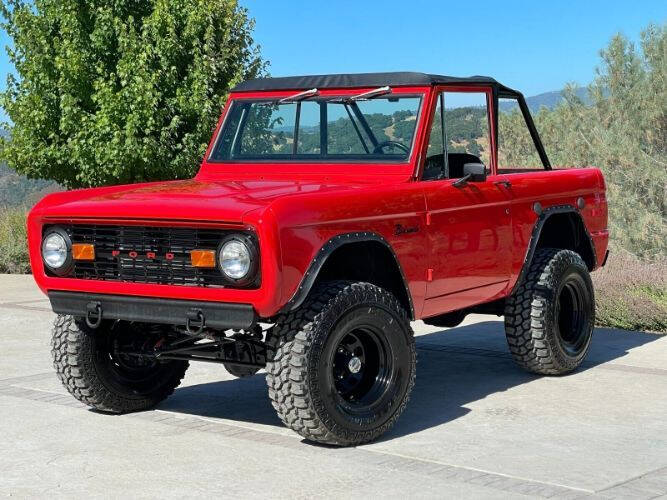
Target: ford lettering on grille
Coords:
[(149, 255)]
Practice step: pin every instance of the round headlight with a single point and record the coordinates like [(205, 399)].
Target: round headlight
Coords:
[(54, 250), (235, 259)]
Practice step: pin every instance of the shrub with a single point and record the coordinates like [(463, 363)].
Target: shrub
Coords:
[(13, 242), (631, 294)]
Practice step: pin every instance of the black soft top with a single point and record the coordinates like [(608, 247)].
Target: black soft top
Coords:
[(352, 80)]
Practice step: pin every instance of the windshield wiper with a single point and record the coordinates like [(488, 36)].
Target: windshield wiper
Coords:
[(364, 96), (300, 96)]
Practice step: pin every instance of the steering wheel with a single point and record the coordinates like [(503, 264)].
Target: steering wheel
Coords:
[(384, 144)]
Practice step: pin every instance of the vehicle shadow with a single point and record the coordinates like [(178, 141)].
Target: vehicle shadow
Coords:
[(455, 367)]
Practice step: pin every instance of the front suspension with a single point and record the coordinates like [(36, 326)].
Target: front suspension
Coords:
[(241, 349)]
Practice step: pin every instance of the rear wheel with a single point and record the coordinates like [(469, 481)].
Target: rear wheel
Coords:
[(549, 319), (344, 364), (95, 367)]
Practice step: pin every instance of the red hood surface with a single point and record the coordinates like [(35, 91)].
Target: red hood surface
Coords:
[(212, 200)]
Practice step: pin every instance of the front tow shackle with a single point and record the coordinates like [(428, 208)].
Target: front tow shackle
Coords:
[(195, 321), (93, 314)]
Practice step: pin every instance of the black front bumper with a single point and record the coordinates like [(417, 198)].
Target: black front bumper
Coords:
[(154, 310)]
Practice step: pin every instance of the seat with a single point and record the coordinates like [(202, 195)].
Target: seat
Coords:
[(433, 167)]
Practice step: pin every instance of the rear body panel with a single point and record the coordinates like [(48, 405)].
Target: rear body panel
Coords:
[(559, 188)]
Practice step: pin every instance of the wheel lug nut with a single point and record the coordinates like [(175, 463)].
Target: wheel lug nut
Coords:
[(354, 365)]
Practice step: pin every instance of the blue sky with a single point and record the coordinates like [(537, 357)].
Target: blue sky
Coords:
[(535, 46)]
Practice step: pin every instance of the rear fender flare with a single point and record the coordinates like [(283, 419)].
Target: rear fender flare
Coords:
[(537, 232)]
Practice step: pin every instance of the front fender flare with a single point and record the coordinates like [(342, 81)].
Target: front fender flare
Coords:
[(310, 276)]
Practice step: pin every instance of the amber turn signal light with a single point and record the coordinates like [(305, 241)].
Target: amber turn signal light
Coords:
[(202, 258), (83, 251)]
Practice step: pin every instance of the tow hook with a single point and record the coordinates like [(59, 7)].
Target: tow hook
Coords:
[(93, 314), (195, 321)]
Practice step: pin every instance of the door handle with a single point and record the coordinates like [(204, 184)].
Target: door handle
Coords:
[(507, 184)]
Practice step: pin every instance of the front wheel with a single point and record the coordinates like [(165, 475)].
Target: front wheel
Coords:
[(96, 368), (344, 364), (549, 319)]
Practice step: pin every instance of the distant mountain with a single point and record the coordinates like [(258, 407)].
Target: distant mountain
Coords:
[(548, 100), (18, 190)]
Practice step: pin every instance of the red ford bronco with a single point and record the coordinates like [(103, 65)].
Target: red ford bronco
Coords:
[(329, 212)]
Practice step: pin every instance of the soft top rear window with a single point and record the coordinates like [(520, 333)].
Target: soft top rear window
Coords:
[(330, 129)]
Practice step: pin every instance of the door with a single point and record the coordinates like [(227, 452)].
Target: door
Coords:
[(469, 225)]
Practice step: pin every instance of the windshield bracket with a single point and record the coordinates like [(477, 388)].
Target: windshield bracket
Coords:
[(365, 96), (300, 96)]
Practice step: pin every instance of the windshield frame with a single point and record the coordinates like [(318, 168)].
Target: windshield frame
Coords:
[(317, 158)]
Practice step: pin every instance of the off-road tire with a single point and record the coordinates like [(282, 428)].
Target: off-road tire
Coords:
[(240, 371), (304, 340), (82, 367), (538, 338)]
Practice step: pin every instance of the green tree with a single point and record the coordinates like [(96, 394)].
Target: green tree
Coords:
[(123, 91), (623, 131)]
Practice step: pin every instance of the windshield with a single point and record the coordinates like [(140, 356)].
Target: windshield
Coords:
[(379, 130)]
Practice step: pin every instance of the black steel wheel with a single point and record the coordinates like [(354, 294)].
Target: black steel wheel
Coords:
[(572, 311), (362, 366), (549, 319), (103, 367), (344, 364)]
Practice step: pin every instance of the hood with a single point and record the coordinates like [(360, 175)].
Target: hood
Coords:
[(219, 200)]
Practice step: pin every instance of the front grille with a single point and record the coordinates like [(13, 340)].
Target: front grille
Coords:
[(145, 254)]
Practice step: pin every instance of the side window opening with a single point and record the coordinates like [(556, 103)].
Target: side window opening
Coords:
[(434, 165), (459, 135), (516, 148)]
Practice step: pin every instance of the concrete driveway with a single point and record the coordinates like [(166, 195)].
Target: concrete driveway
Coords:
[(476, 426)]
